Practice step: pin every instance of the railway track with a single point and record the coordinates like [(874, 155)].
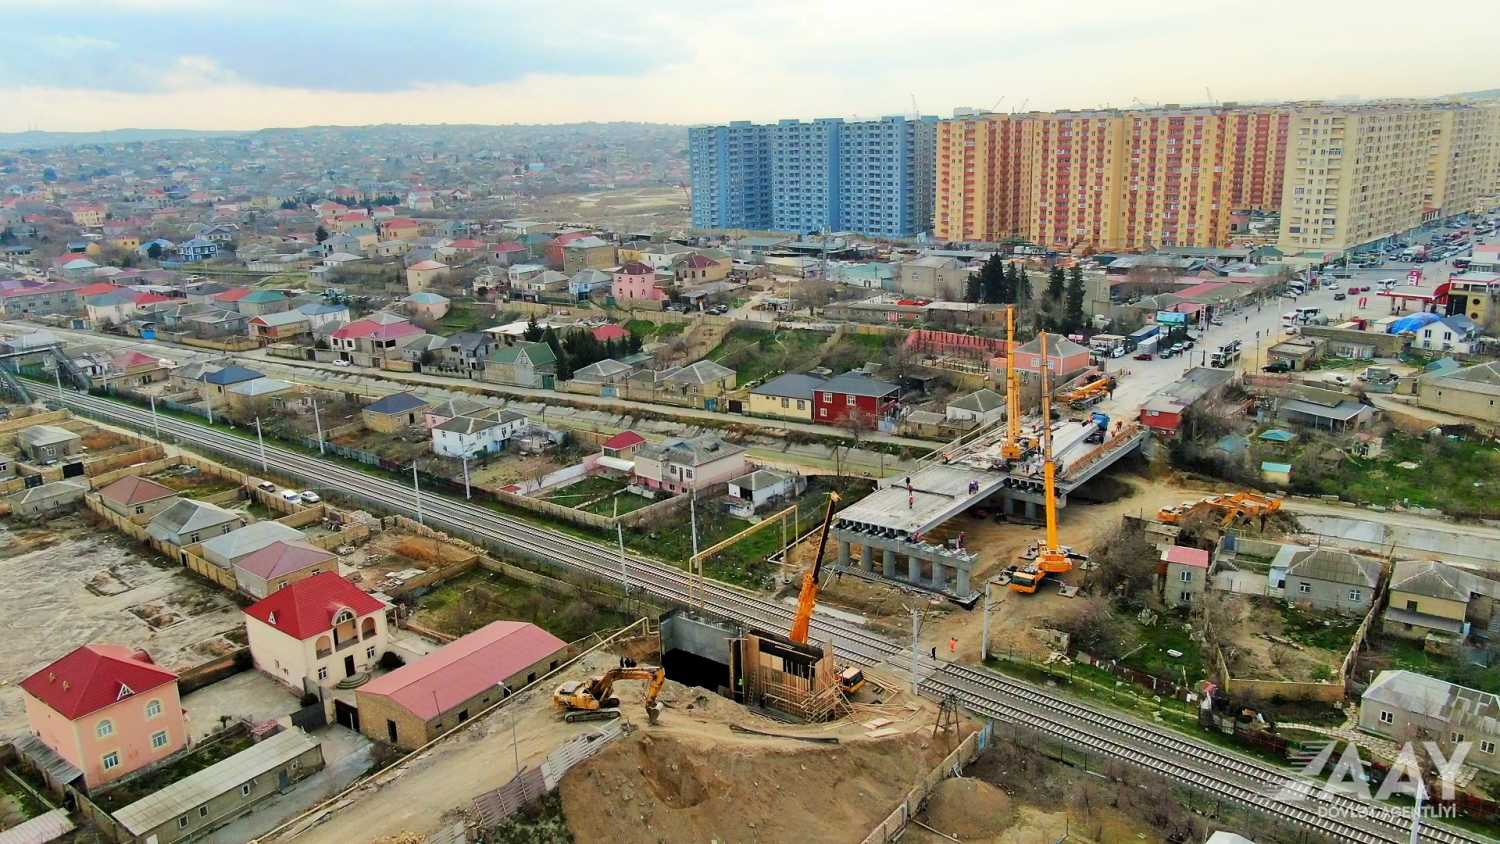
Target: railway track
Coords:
[(1225, 775)]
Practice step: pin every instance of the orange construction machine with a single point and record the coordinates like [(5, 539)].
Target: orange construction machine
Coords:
[(851, 679), (1050, 558), (1239, 505)]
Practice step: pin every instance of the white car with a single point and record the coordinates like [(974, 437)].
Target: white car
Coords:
[(267, 486), (1332, 288), (341, 362), (309, 497), (291, 495)]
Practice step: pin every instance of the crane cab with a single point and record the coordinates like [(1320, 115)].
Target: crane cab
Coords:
[(1027, 579), (851, 680)]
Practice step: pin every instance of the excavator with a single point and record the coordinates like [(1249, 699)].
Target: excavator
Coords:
[(1050, 558), (1014, 446), (851, 679), (1239, 505), (591, 700)]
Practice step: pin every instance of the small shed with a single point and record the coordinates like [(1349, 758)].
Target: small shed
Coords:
[(1276, 473)]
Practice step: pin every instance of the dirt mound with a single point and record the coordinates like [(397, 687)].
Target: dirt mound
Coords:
[(672, 774), (969, 808)]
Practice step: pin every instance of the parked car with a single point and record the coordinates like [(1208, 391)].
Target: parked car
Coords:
[(341, 362), (1339, 297), (1278, 366), (266, 486), (309, 497), (1341, 380), (1143, 356), (291, 495), (1216, 321)]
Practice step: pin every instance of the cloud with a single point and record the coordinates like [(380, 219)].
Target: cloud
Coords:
[(70, 64)]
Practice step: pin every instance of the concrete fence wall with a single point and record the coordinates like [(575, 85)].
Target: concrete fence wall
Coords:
[(895, 823)]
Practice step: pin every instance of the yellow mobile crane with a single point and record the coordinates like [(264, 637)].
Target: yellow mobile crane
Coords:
[(1050, 558), (1013, 447)]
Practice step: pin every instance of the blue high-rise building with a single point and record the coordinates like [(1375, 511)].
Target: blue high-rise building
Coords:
[(731, 175), (870, 176)]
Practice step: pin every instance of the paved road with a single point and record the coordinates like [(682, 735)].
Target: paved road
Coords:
[(1225, 775)]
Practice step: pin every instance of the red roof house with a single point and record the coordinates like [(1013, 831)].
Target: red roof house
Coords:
[(605, 333), (622, 445), (415, 703), (316, 631), (279, 565), (107, 710)]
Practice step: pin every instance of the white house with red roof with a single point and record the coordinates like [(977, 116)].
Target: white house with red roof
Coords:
[(376, 335), (316, 632), (107, 710), (420, 701)]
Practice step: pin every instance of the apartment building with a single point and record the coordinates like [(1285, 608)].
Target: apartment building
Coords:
[(1356, 174), (870, 176), (978, 178), (1072, 172), (1457, 160), (731, 175)]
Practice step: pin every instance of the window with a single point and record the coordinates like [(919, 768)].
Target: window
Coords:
[(850, 400), (1185, 576), (202, 811), (153, 708), (159, 740), (1354, 594), (1486, 746), (140, 508), (1458, 737), (245, 789), (1386, 717), (111, 760), (323, 673), (1185, 597), (370, 652), (105, 728), (1305, 588), (182, 822)]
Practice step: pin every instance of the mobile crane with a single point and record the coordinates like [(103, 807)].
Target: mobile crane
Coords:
[(592, 700), (1013, 448), (1236, 506), (851, 679), (1090, 394), (1050, 558)]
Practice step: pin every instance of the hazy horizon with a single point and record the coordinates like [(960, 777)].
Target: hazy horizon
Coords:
[(69, 65)]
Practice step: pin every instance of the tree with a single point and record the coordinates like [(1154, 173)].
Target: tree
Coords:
[(993, 281), (1073, 316), (1008, 286), (973, 288), (564, 370), (1055, 282), (1023, 287), (533, 331), (321, 234)]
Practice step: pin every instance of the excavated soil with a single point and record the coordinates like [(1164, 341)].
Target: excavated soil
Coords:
[(720, 786), (969, 808)]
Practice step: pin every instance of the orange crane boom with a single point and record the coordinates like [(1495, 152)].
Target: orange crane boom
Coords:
[(807, 599), (1011, 450), (1050, 558)]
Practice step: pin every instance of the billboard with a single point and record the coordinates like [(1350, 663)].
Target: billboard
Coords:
[(1170, 318)]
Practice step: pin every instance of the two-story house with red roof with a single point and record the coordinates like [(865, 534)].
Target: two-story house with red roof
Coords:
[(316, 632), (106, 710)]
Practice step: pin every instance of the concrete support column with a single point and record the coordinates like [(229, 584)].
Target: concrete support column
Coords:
[(1031, 510), (939, 575), (867, 559), (843, 554), (889, 564), (913, 569), (963, 580)]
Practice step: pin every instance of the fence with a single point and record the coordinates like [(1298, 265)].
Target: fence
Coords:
[(895, 823)]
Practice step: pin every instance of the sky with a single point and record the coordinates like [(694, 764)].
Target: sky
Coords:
[(87, 65)]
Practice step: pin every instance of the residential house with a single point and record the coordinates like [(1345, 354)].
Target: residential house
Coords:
[(519, 274), (586, 252), (1456, 333), (467, 351), (46, 444), (400, 228), (1406, 706), (47, 500), (262, 394), (472, 435), (586, 281), (524, 364), (1065, 358), (979, 408), (426, 305), (394, 412), (421, 275), (1426, 597), (219, 232), (1164, 410), (194, 806), (44, 300), (216, 383), (597, 377), (258, 302), (787, 396), (90, 215), (699, 384), (372, 339), (393, 248), (279, 565), (226, 550), (107, 309), (320, 315), (763, 485), (622, 446), (507, 252), (856, 396), (699, 269), (611, 332), (1330, 579), (546, 282), (636, 282), (1472, 391), (316, 632), (106, 711), (421, 700), (1327, 410), (188, 522), (280, 327), (1184, 574), (681, 465), (136, 498), (933, 277), (196, 250)]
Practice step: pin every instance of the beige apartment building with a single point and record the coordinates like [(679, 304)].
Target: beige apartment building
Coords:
[(1457, 161)]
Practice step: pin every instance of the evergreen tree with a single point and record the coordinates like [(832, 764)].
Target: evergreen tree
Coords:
[(1009, 284), (973, 288), (533, 331), (564, 371), (992, 281), (321, 234), (1022, 288), (1074, 317), (1055, 283)]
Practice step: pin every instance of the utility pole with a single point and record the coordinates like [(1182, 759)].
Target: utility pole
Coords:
[(155, 427), (693, 523), (210, 403), (465, 458), (1416, 810), (416, 491), (261, 441), (916, 630), (984, 642), (318, 420)]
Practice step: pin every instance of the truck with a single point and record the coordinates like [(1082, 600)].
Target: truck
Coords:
[(1296, 287), (1136, 338), (1101, 427), (1104, 345), (1226, 355)]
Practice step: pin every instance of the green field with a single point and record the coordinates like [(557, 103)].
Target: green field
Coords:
[(469, 602), (1150, 653), (1461, 478), (757, 355), (462, 317)]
